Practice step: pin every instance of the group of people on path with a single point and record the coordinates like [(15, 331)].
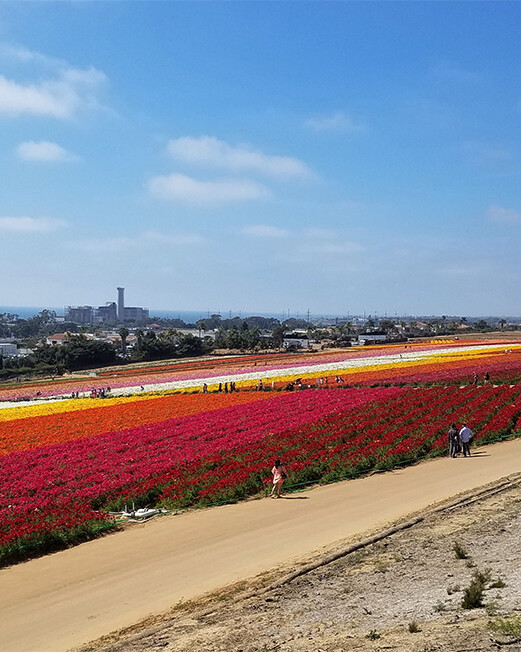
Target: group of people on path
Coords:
[(460, 440)]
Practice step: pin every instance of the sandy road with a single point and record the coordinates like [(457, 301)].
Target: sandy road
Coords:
[(66, 599)]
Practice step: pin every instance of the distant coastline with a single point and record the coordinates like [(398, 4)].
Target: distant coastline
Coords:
[(188, 316)]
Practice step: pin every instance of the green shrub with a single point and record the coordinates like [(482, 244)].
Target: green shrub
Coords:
[(473, 594), (460, 551)]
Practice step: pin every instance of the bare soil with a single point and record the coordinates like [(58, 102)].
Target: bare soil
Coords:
[(401, 593)]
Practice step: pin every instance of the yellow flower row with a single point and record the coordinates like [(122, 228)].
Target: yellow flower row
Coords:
[(73, 405), (66, 405)]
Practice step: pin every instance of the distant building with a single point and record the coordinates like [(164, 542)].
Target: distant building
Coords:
[(63, 338), (79, 314), (371, 338), (8, 349), (297, 339), (58, 338), (110, 313), (121, 304), (134, 314), (106, 314)]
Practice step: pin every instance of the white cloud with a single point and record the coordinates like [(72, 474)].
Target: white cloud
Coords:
[(211, 152), (183, 188), (43, 151), (29, 224), (61, 96), (338, 121), (265, 231), (503, 215)]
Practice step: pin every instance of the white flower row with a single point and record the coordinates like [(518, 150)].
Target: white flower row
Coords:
[(271, 374)]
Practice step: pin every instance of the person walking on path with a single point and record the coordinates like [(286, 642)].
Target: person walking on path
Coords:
[(475, 379), (279, 475), (465, 435), (487, 377), (454, 441)]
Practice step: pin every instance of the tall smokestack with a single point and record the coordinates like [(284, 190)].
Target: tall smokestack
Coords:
[(121, 304)]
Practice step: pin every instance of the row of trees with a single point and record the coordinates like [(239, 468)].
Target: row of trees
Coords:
[(80, 352)]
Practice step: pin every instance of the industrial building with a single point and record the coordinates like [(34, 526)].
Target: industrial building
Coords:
[(110, 313)]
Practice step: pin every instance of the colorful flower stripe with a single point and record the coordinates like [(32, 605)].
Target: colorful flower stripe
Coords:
[(414, 370), (67, 468), (223, 370), (225, 454), (56, 424), (394, 429)]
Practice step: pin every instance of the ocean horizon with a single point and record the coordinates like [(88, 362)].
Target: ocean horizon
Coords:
[(188, 316)]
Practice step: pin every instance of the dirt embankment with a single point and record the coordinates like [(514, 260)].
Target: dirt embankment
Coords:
[(404, 592)]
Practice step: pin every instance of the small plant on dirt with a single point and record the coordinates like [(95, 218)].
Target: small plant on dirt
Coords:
[(497, 584), (460, 551), (373, 635), (439, 606), (414, 628), (470, 564), (509, 626), (491, 608), (381, 567), (453, 588), (473, 594)]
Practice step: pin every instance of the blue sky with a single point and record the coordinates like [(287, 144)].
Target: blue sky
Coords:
[(260, 156)]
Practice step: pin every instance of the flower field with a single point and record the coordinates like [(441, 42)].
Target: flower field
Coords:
[(64, 464)]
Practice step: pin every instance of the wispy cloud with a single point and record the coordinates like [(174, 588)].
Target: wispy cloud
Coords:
[(501, 215), (43, 151), (66, 90), (447, 71), (341, 247), (338, 122), (29, 224), (485, 154), (322, 234), (179, 187), (24, 55), (211, 152), (308, 243), (265, 231), (149, 240)]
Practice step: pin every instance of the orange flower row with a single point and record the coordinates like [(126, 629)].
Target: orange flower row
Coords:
[(37, 431)]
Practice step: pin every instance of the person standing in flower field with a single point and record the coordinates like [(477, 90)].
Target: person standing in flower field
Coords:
[(454, 441), (465, 435), (279, 475)]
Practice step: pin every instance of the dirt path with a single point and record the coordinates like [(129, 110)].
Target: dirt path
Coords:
[(66, 599)]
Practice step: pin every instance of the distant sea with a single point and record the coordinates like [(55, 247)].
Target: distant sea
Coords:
[(188, 316)]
